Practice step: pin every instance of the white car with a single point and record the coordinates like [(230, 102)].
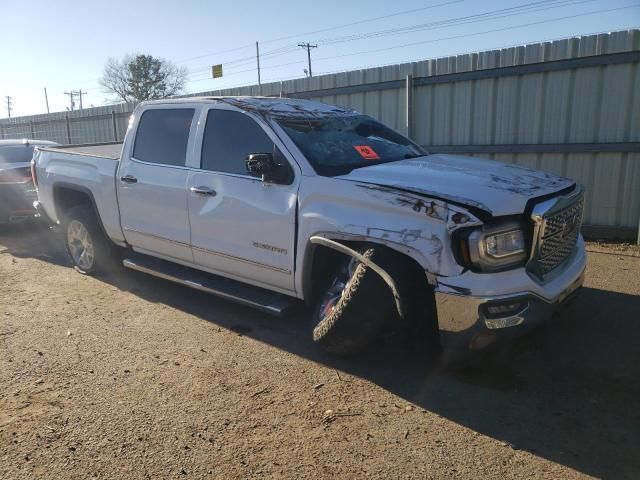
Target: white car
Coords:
[(269, 200)]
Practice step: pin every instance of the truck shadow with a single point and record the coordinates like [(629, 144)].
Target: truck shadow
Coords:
[(32, 240), (567, 393)]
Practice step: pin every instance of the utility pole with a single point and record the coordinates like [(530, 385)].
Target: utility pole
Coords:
[(46, 99), (258, 60), (308, 47), (9, 105), (71, 95), (80, 92)]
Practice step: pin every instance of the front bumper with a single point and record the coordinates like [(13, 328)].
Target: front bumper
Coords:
[(474, 315)]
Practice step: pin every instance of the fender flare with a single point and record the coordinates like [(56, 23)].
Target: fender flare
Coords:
[(57, 186), (318, 240)]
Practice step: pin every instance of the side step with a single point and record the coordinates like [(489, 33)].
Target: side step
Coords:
[(270, 302)]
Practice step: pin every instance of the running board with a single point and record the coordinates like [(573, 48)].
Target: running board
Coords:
[(259, 298)]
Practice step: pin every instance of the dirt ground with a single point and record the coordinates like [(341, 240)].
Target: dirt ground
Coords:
[(128, 376)]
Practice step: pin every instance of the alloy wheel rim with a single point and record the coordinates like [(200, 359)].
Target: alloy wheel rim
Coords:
[(80, 245), (338, 287)]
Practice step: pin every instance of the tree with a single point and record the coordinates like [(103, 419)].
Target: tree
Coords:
[(142, 77)]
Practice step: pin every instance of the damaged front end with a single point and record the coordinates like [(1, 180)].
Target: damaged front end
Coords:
[(479, 266), (502, 293)]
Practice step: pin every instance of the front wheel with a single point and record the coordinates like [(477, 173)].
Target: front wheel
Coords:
[(88, 248), (355, 307)]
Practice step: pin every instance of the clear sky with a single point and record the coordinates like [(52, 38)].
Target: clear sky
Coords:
[(63, 45)]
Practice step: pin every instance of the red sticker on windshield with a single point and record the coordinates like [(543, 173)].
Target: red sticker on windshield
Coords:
[(366, 152)]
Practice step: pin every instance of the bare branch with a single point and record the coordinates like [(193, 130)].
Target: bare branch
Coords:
[(142, 77)]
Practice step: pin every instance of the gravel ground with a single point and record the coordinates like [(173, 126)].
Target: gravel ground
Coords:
[(128, 376)]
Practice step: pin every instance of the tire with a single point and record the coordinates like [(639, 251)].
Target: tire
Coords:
[(357, 316), (421, 315), (82, 233)]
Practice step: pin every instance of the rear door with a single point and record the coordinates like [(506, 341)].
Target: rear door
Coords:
[(240, 226), (152, 183)]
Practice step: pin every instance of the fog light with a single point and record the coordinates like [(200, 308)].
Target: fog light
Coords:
[(504, 309), (504, 314), (495, 323)]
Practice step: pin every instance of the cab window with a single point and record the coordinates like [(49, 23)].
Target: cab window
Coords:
[(162, 136), (229, 137)]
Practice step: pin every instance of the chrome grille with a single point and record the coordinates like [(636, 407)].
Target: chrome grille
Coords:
[(557, 232)]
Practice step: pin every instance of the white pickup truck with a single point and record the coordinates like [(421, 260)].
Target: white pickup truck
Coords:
[(270, 200)]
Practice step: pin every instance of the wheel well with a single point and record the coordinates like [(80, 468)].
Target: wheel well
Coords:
[(325, 260), (67, 198)]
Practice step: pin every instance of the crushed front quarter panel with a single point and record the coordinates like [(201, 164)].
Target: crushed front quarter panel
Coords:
[(412, 224)]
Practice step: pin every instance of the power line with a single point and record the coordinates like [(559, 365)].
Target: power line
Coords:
[(526, 8), (208, 76), (465, 35), (287, 49), (344, 25), (489, 15), (513, 27), (530, 7), (359, 22), (247, 60), (244, 84), (498, 47), (521, 9)]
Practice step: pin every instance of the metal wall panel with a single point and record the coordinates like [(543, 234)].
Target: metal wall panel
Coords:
[(492, 98)]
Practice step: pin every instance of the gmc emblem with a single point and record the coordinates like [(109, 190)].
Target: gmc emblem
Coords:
[(569, 225)]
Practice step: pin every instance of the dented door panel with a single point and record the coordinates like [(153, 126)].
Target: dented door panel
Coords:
[(246, 229)]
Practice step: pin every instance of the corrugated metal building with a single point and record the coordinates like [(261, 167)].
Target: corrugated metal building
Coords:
[(570, 106)]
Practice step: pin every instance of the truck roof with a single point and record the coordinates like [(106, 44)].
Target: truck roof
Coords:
[(276, 106)]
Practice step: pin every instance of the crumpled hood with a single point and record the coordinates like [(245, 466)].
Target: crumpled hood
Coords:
[(498, 188)]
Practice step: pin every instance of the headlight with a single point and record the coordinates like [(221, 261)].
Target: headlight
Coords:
[(498, 247), (504, 244)]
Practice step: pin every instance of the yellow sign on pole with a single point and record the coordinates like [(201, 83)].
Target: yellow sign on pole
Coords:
[(216, 71)]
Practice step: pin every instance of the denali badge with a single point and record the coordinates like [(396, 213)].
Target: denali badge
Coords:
[(271, 248)]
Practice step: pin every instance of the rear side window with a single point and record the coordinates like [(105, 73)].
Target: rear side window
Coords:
[(229, 137), (162, 136)]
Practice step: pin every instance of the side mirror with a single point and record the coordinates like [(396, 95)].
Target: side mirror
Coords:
[(264, 165)]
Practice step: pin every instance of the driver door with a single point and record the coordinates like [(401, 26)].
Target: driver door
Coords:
[(240, 226)]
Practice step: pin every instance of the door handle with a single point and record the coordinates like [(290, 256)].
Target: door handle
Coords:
[(203, 191), (129, 179)]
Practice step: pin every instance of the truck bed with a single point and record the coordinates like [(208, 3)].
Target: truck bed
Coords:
[(89, 169), (109, 151)]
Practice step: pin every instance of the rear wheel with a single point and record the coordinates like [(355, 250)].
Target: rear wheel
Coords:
[(88, 248)]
